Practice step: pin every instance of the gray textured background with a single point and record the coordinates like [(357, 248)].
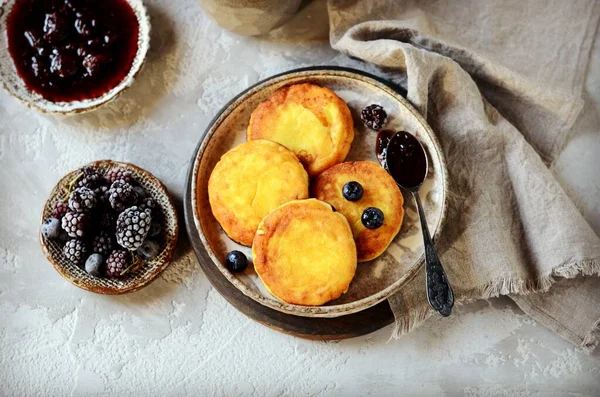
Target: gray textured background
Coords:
[(178, 336)]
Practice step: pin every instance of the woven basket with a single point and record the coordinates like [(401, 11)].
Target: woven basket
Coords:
[(133, 280)]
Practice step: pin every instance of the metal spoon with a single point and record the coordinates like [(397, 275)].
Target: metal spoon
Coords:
[(406, 162)]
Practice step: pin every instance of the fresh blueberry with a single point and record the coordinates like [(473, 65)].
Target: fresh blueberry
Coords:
[(149, 249), (51, 228), (155, 228), (237, 261), (93, 264), (372, 218), (352, 191)]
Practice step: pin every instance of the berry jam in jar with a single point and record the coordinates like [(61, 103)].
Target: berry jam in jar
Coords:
[(71, 50)]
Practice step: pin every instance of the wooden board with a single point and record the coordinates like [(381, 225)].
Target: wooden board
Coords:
[(343, 327)]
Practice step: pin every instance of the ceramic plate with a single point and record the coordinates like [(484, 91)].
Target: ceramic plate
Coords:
[(374, 280)]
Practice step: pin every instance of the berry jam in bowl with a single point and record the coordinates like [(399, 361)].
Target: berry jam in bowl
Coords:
[(109, 227), (71, 56)]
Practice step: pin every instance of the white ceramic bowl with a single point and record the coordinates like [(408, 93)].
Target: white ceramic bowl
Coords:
[(15, 86)]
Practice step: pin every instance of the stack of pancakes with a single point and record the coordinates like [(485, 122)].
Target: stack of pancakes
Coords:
[(304, 250)]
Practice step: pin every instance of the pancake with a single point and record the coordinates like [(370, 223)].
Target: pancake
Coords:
[(310, 120), (250, 181), (380, 191), (304, 253)]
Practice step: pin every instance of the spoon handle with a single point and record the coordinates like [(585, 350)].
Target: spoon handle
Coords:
[(439, 291)]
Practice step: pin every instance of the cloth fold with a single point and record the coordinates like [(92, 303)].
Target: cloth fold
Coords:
[(511, 229)]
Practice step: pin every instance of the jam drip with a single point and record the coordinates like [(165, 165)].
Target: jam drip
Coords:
[(68, 50)]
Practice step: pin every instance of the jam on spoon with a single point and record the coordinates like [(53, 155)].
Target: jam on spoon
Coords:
[(406, 161), (68, 50)]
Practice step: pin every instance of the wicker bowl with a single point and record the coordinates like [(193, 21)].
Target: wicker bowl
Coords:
[(133, 280)]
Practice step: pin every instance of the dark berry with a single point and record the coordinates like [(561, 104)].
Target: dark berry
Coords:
[(372, 218), (117, 262), (102, 195), (352, 191), (107, 221), (85, 24), (147, 203), (63, 64), (75, 251), (94, 64), (155, 228), (56, 27), (374, 117), (133, 226), (51, 228), (140, 192), (116, 173), (91, 178), (103, 243), (37, 67), (121, 195), (82, 199), (60, 209), (75, 223), (93, 265), (148, 250), (236, 261)]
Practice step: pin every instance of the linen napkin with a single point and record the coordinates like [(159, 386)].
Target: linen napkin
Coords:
[(475, 70)]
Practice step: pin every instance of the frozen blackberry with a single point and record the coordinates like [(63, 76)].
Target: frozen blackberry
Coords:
[(117, 262), (75, 251), (116, 173), (147, 203), (103, 243), (51, 228), (82, 199), (373, 117), (91, 178), (121, 195), (133, 226), (102, 194), (60, 209), (75, 224)]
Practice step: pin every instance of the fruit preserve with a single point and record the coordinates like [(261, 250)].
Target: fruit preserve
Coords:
[(69, 50)]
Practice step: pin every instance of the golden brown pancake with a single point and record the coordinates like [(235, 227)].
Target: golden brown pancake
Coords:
[(310, 120), (380, 191), (250, 181), (304, 253)]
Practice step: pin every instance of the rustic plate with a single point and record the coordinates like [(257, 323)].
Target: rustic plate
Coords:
[(148, 271), (14, 85), (374, 280)]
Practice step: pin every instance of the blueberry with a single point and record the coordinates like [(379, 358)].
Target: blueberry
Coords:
[(140, 191), (372, 218), (352, 191), (149, 249), (51, 228), (236, 261), (93, 264)]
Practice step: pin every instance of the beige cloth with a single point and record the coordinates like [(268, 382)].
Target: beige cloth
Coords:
[(477, 71)]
